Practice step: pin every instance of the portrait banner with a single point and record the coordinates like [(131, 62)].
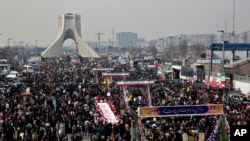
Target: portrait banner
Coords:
[(187, 110)]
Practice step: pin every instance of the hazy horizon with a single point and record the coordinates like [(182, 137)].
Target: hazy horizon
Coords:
[(30, 20)]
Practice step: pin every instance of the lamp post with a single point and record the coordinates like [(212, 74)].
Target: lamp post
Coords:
[(180, 47), (36, 50), (9, 41), (171, 49), (223, 49), (8, 45), (223, 71)]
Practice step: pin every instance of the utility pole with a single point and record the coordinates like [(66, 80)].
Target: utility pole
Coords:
[(9, 55), (98, 34), (163, 48), (223, 63), (233, 19), (223, 49), (171, 49), (36, 50), (9, 41)]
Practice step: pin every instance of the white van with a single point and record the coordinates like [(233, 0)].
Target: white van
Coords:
[(13, 75), (28, 69)]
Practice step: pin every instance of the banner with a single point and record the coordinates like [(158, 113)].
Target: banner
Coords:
[(103, 69), (115, 74), (107, 112), (133, 83), (190, 110)]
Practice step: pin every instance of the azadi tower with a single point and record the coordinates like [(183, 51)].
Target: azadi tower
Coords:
[(69, 26)]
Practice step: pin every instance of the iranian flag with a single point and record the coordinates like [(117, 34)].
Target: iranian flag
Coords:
[(223, 77)]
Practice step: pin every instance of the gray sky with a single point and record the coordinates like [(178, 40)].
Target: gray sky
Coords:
[(28, 20)]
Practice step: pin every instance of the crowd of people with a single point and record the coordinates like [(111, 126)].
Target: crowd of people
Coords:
[(58, 102)]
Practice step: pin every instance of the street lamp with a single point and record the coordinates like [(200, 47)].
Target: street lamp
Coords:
[(36, 49), (9, 41), (223, 49), (8, 45), (223, 71), (170, 47)]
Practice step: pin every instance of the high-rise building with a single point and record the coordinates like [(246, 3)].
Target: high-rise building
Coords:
[(243, 37), (126, 39)]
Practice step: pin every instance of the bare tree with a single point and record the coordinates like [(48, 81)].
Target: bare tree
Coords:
[(152, 49), (183, 47), (196, 49)]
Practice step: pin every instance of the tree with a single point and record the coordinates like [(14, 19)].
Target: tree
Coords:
[(183, 47), (196, 49), (152, 49)]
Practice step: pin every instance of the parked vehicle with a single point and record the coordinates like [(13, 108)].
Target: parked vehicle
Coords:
[(28, 69), (2, 84), (4, 69)]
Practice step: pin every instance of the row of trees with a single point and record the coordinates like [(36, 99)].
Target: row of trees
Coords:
[(183, 50), (15, 55)]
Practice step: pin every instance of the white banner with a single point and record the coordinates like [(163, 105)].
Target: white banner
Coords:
[(107, 112)]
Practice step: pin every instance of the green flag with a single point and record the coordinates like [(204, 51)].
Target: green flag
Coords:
[(24, 85), (223, 76)]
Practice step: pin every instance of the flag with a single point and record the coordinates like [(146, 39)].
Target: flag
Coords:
[(110, 58), (223, 76), (106, 81), (26, 91), (24, 85), (188, 89)]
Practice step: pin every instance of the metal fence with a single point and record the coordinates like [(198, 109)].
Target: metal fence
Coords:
[(211, 73), (239, 77), (245, 77)]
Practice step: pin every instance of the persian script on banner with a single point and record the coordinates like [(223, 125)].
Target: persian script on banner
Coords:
[(189, 110)]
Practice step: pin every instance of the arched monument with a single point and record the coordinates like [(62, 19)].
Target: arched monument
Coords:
[(69, 26)]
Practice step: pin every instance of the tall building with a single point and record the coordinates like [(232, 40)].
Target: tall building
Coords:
[(126, 39), (191, 39), (141, 42), (243, 37)]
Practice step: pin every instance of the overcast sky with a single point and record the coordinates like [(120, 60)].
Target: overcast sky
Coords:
[(30, 20)]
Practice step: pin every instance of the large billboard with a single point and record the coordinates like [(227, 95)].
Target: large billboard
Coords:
[(187, 71)]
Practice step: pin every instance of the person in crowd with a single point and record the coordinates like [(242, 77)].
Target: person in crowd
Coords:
[(58, 102)]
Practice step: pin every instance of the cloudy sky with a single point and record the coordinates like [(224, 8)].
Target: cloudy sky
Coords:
[(30, 20)]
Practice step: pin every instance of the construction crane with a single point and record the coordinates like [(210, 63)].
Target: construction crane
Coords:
[(98, 34)]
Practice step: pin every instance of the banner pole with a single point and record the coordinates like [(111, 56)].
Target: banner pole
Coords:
[(149, 97), (125, 97), (96, 78)]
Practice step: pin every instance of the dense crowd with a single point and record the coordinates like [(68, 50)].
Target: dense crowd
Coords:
[(60, 100)]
